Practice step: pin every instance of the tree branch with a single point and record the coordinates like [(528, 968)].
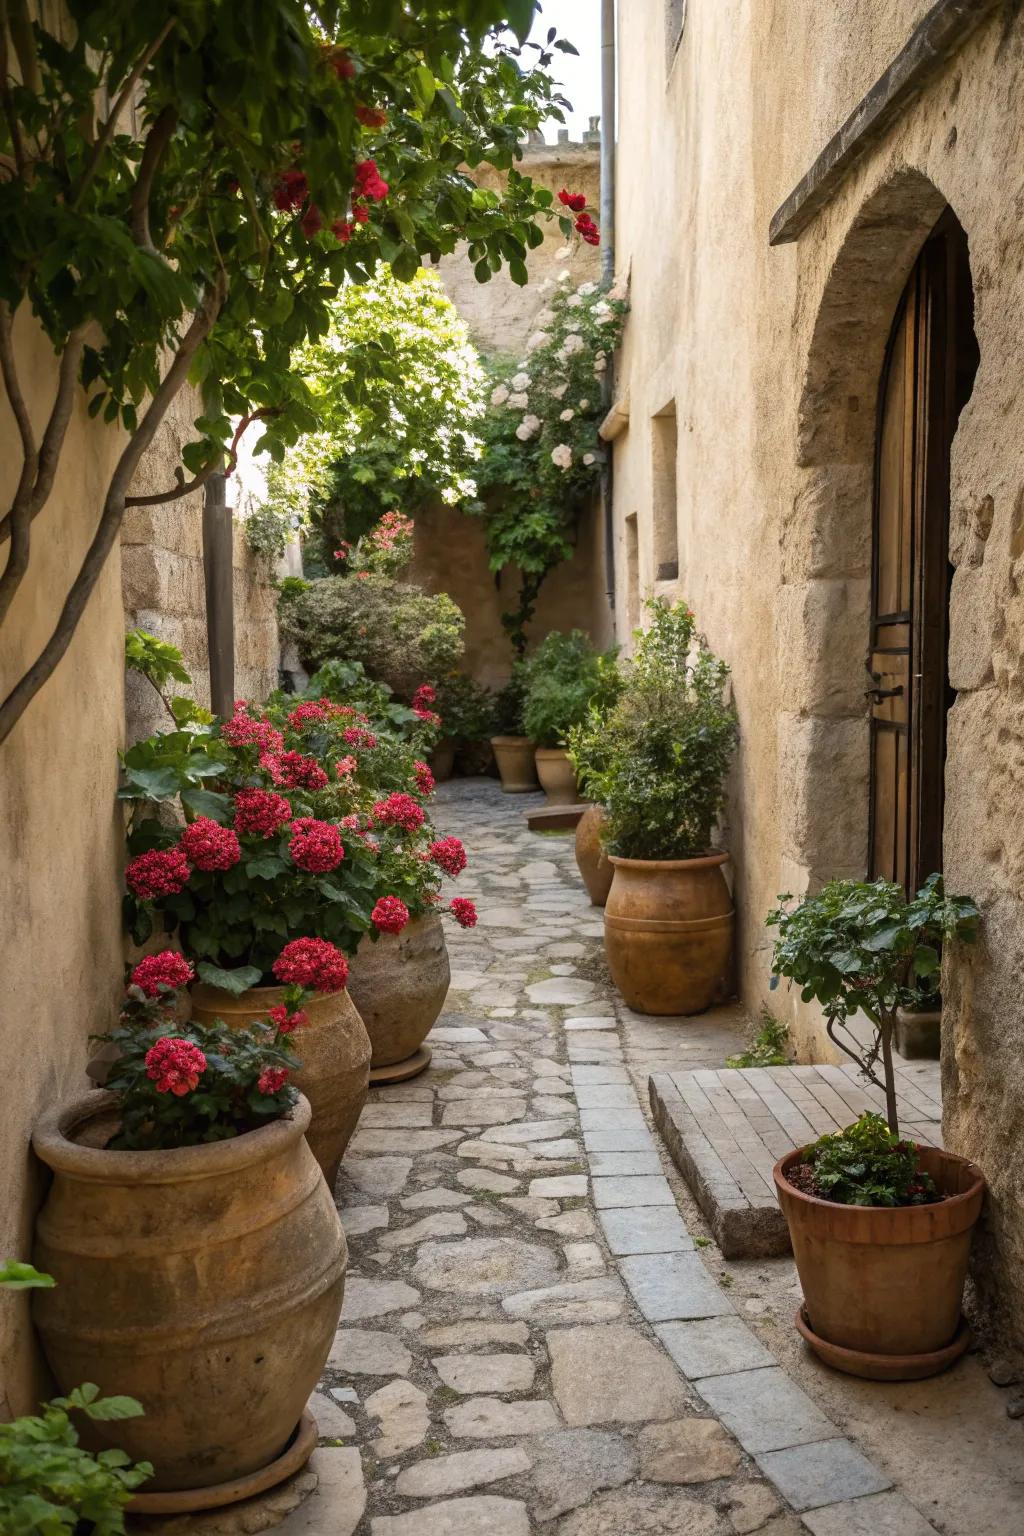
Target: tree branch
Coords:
[(24, 691), (107, 131), (13, 125), (157, 141), (186, 487), (43, 466), (20, 516)]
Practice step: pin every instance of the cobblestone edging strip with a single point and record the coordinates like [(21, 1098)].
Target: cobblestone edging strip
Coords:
[(531, 1341), (725, 1129)]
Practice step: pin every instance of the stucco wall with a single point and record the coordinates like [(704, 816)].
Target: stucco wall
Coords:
[(773, 359)]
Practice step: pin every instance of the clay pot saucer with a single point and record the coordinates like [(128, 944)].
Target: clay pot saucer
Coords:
[(184, 1501), (860, 1362)]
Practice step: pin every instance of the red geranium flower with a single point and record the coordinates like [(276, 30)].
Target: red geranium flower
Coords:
[(260, 811), (312, 221), (293, 770), (311, 963), (574, 200), (286, 1022), (160, 872), (342, 64), (390, 915), (371, 117), (424, 696), (399, 810), (463, 911), (368, 182), (315, 846), (175, 1065), (424, 778), (448, 854), (167, 969), (208, 845), (272, 1079), (291, 191), (354, 737), (242, 731), (307, 714)]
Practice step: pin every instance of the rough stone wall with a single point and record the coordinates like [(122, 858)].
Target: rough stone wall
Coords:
[(163, 589), (450, 553), (773, 357)]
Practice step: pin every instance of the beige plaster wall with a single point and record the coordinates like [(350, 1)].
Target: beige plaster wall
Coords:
[(773, 359)]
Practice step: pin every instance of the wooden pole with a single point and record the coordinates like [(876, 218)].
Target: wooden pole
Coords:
[(218, 566)]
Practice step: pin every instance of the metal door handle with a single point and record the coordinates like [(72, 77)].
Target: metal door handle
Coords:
[(883, 693)]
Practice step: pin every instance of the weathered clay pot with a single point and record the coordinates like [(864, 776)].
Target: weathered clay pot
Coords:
[(593, 863), (515, 763), (205, 1281), (442, 760), (919, 1034), (885, 1284), (399, 983), (333, 1047), (557, 775), (668, 927)]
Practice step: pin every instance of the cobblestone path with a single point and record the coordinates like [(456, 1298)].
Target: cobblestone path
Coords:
[(531, 1340)]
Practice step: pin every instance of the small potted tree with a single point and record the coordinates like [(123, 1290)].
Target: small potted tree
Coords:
[(513, 749), (668, 920), (588, 749), (881, 1227), (564, 677)]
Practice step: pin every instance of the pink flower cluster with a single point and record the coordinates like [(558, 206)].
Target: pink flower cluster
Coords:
[(167, 969), (175, 1065), (311, 963), (160, 872), (393, 529), (272, 1080), (293, 771), (448, 854), (308, 714), (315, 846), (399, 810), (207, 845), (424, 778), (260, 812), (354, 737), (346, 766), (242, 731), (389, 915), (285, 1022), (424, 696), (463, 911)]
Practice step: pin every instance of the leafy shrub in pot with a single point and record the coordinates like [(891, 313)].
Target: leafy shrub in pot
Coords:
[(564, 677), (660, 778), (881, 1227)]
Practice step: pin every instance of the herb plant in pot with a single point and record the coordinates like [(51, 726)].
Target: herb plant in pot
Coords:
[(565, 676), (880, 1226), (668, 920), (513, 749), (587, 752), (197, 1251)]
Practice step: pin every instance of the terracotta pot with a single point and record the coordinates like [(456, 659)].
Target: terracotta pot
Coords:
[(557, 775), (668, 929), (515, 763), (205, 1281), (593, 864), (885, 1282), (399, 984), (919, 1034), (442, 760), (333, 1047)]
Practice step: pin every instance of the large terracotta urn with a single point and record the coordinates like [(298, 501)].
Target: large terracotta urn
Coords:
[(883, 1284), (591, 860), (668, 933), (399, 983), (516, 764), (205, 1281), (557, 775), (333, 1047)]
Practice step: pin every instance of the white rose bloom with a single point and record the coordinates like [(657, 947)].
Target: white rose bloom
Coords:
[(519, 401), (587, 289), (574, 301), (601, 309), (567, 415), (573, 343), (562, 456), (584, 405), (527, 428), (521, 381), (499, 395), (537, 340), (588, 459), (563, 255)]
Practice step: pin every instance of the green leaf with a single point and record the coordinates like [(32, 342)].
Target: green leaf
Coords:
[(107, 1409), (15, 1276), (206, 802), (236, 981), (424, 86), (154, 783)]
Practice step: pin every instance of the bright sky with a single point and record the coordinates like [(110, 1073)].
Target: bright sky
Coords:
[(579, 21)]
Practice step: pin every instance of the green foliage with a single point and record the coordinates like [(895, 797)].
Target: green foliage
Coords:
[(15, 1276), (267, 533), (865, 947), (565, 677), (155, 659), (402, 635), (867, 1164), (510, 703), (397, 390), (542, 458), (346, 682), (669, 742), (769, 1045), (466, 707)]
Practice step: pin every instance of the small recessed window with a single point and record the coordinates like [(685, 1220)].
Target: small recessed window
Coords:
[(664, 518), (675, 20), (632, 572)]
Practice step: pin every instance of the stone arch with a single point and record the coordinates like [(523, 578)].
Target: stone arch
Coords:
[(823, 605)]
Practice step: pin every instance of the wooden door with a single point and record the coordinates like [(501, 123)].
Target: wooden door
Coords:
[(927, 378)]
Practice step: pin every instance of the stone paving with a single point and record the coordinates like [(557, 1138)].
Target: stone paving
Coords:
[(532, 1341)]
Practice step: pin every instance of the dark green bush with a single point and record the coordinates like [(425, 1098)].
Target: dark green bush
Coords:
[(565, 676)]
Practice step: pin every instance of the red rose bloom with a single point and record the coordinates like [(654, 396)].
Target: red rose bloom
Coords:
[(371, 117), (315, 846), (574, 200), (343, 66), (390, 915), (209, 846), (587, 229), (399, 810), (160, 872), (361, 214), (272, 1079), (463, 911), (311, 963), (175, 1065), (286, 1022), (448, 854), (167, 969), (368, 183), (291, 191), (260, 812), (424, 778)]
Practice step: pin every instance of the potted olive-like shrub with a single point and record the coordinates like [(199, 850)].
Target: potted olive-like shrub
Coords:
[(564, 677), (587, 750), (881, 1227), (197, 1250), (668, 920)]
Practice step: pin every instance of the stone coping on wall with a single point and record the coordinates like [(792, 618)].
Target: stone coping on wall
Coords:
[(726, 1127)]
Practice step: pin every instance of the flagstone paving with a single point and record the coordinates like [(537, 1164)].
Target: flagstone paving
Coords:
[(531, 1340)]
